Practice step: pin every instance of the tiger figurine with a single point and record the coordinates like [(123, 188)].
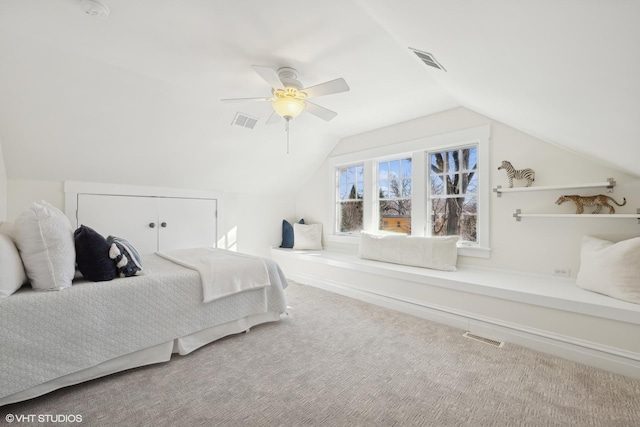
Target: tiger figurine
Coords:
[(599, 201)]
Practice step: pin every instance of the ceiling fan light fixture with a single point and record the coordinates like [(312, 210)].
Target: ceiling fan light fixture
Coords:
[(288, 102), (288, 107)]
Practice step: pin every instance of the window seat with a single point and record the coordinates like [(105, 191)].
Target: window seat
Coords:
[(545, 312), (544, 290)]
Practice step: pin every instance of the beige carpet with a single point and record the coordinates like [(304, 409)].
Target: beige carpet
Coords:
[(340, 362)]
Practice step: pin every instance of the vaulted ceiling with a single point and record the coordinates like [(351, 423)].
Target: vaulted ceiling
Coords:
[(135, 97)]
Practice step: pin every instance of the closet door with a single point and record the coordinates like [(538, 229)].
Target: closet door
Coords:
[(130, 217), (186, 223)]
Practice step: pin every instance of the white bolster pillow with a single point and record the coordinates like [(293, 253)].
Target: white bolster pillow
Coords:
[(438, 253)]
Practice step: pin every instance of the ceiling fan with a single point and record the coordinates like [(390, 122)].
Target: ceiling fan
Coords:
[(289, 98)]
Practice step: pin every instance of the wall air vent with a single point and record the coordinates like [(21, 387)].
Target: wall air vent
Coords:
[(428, 59), (489, 341), (244, 121)]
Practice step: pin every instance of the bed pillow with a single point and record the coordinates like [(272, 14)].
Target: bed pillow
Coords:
[(438, 253), (611, 268), (287, 233), (307, 236), (126, 257), (12, 275), (44, 237), (92, 255)]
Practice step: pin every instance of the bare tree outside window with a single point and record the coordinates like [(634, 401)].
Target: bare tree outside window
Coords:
[(454, 193), (394, 195), (349, 199)]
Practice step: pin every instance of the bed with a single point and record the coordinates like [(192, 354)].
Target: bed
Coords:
[(50, 340)]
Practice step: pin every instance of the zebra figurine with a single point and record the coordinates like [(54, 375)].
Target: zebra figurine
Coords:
[(512, 173)]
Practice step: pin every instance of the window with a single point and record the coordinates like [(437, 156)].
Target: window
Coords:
[(394, 195), (435, 186), (349, 191), (453, 193)]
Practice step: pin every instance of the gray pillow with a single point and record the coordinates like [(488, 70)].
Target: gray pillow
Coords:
[(126, 257)]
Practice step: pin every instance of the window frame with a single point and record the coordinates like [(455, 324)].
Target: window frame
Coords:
[(462, 171), (337, 201), (376, 195), (418, 150)]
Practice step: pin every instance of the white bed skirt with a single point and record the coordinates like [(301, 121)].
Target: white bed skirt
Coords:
[(156, 354), (186, 345)]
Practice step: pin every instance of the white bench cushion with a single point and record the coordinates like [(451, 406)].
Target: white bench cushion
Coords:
[(439, 253)]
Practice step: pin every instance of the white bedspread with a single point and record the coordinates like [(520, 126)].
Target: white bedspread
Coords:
[(45, 335), (222, 272)]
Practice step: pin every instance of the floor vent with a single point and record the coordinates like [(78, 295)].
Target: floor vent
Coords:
[(244, 121), (428, 59), (489, 341)]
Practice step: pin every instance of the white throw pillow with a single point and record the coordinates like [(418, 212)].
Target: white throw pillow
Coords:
[(611, 268), (12, 275), (307, 236), (438, 253), (44, 237)]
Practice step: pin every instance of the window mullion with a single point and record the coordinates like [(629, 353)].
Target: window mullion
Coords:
[(370, 216), (419, 204)]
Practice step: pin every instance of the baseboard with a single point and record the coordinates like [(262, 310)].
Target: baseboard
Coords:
[(585, 352)]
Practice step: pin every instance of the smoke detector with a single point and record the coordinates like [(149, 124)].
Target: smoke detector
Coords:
[(94, 8)]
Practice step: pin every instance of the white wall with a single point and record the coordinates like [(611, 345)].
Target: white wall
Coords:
[(3, 186), (252, 223), (21, 193), (537, 245), (247, 223)]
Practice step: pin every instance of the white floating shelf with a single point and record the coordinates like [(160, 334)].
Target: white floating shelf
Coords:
[(609, 184), (518, 215)]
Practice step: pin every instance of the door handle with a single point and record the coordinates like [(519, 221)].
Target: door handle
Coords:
[(163, 225), (152, 225)]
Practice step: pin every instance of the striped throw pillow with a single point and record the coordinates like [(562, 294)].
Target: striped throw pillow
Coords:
[(127, 258)]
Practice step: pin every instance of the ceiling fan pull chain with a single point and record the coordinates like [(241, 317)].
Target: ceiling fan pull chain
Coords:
[(286, 127)]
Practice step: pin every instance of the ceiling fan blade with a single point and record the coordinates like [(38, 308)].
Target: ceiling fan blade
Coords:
[(269, 75), (273, 118), (327, 88), (316, 110), (229, 100)]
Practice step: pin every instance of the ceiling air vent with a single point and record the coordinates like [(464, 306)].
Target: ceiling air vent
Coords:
[(428, 59), (244, 121)]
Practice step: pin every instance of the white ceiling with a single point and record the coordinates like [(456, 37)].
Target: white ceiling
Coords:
[(134, 98)]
